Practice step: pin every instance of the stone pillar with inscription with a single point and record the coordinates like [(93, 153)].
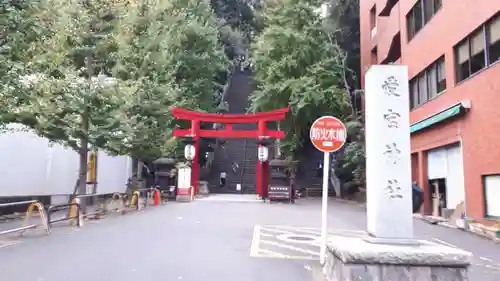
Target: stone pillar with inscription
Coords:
[(388, 250)]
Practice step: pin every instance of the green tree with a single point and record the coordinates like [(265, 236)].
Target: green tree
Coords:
[(239, 23), (350, 168), (297, 63), (70, 96), (343, 21), (22, 25), (172, 54)]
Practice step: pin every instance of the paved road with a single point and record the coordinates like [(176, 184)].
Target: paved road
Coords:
[(208, 240)]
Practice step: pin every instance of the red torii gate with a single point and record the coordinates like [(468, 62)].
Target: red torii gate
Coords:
[(262, 133)]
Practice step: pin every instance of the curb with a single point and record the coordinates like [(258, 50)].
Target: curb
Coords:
[(448, 225)]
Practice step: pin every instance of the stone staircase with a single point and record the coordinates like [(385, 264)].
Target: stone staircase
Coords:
[(309, 183), (240, 151)]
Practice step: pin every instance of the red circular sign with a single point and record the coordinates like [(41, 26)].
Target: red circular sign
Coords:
[(328, 134)]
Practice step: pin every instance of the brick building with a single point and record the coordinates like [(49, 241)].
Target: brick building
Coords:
[(452, 50)]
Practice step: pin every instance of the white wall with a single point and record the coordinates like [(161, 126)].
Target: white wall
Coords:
[(112, 172), (29, 165)]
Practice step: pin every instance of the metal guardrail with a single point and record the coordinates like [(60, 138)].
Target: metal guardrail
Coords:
[(121, 200), (101, 211), (74, 208), (74, 214), (32, 206)]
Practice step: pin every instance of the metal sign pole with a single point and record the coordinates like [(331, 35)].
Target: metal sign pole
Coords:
[(324, 208), (328, 134)]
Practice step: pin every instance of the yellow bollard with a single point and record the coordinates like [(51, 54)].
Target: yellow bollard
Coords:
[(41, 212), (75, 214), (117, 198), (135, 200)]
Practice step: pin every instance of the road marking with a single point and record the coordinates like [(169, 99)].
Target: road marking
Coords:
[(276, 230), (4, 244), (291, 242), (494, 267), (273, 254), (297, 249), (486, 259), (254, 248), (311, 230), (443, 242), (266, 234)]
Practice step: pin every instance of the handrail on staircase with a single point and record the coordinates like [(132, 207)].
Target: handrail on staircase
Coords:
[(243, 164)]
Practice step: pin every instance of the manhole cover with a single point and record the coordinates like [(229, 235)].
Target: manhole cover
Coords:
[(298, 238), (301, 238)]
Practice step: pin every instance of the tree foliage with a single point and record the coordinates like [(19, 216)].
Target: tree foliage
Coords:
[(69, 96), (239, 22), (343, 21), (172, 54), (22, 25), (351, 167), (106, 74), (298, 64)]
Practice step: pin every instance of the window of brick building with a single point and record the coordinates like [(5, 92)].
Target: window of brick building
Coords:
[(428, 9), (493, 29), (422, 88), (441, 75), (413, 93), (373, 18), (414, 20), (431, 75), (462, 52), (437, 5), (478, 50), (428, 84), (374, 56), (421, 14), (491, 186)]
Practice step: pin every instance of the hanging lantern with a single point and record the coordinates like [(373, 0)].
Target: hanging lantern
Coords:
[(189, 152), (263, 153)]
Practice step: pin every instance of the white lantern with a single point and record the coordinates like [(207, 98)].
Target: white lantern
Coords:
[(189, 152), (263, 153)]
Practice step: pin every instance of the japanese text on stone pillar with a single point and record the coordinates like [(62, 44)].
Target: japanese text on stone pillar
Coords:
[(391, 151)]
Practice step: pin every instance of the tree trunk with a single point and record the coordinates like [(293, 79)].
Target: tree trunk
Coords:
[(140, 166), (84, 144), (83, 165)]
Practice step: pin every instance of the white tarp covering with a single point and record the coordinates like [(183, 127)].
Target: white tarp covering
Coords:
[(112, 172), (30, 166)]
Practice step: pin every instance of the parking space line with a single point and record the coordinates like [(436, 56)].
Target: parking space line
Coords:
[(279, 231), (284, 246), (254, 248), (272, 254)]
